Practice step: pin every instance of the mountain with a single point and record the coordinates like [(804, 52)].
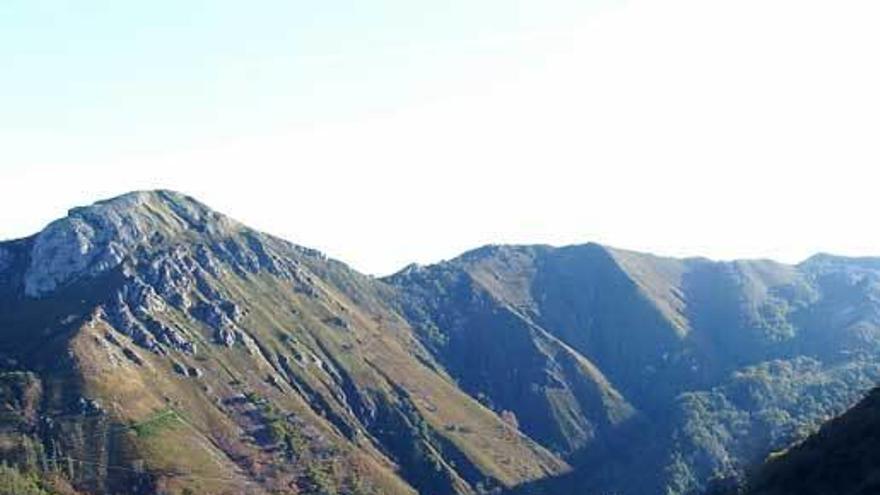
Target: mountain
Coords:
[(680, 371), (152, 345), (842, 458)]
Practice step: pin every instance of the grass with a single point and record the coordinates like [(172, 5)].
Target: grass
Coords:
[(162, 420)]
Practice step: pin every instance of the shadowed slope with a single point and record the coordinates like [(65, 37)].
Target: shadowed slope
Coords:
[(842, 458), (714, 363)]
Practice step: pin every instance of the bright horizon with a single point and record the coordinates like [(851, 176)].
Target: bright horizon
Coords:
[(396, 133)]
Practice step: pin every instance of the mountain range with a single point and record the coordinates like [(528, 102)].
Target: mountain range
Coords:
[(149, 344)]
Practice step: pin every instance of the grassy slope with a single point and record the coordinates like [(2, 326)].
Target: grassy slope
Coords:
[(200, 449), (320, 389)]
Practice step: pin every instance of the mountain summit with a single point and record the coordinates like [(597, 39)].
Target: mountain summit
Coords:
[(97, 238), (152, 345)]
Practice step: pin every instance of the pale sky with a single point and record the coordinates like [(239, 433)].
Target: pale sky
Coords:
[(386, 132)]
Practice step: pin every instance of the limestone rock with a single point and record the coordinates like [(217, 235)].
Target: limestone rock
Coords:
[(89, 407), (97, 238)]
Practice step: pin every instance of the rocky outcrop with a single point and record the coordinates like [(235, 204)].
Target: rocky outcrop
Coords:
[(171, 251), (97, 238), (225, 328)]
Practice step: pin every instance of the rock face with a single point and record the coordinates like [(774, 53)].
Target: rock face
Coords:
[(150, 333), (98, 238)]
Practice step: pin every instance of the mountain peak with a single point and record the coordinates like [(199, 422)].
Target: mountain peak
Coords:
[(92, 239), (829, 258), (150, 203), (140, 196)]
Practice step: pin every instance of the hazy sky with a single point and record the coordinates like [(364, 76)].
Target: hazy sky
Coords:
[(391, 131)]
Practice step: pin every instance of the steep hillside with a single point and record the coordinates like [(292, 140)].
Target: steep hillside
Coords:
[(479, 322), (151, 344), (843, 458)]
